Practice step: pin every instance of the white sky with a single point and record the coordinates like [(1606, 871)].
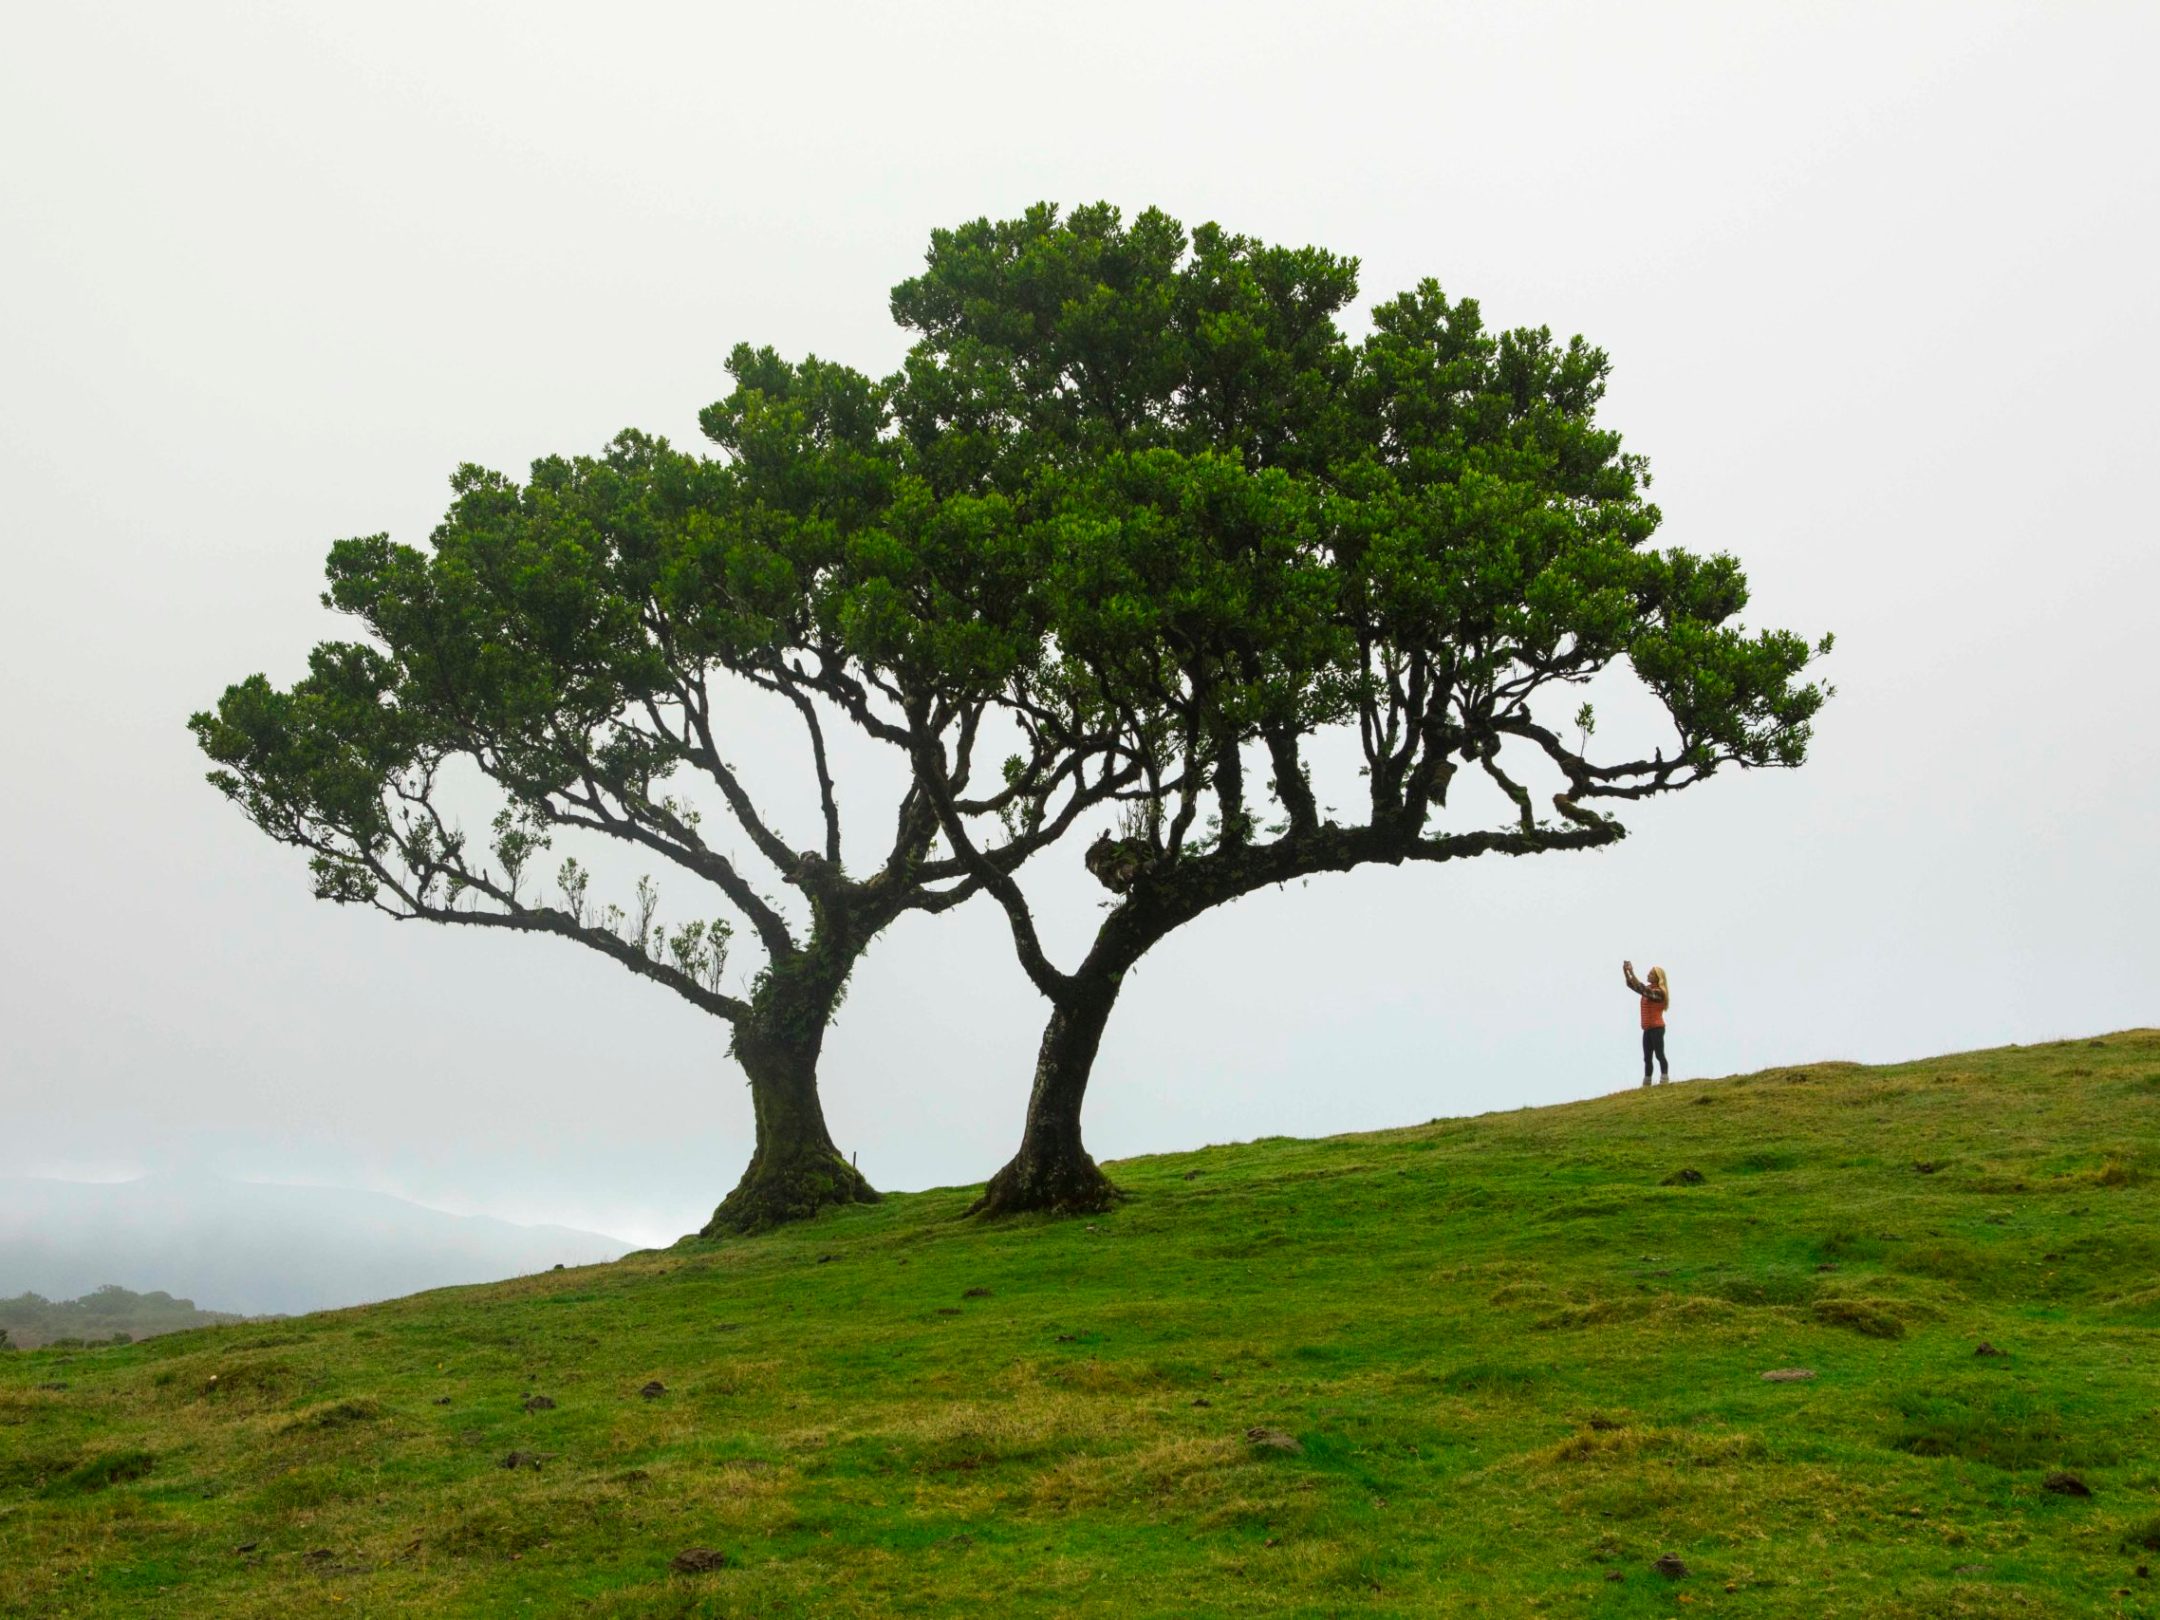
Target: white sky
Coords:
[(1877, 281)]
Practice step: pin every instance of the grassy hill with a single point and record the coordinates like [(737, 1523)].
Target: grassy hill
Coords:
[(1488, 1366)]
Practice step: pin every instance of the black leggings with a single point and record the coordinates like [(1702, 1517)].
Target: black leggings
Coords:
[(1653, 1045)]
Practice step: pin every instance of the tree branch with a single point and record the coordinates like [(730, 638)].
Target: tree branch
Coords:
[(1027, 943), (827, 799)]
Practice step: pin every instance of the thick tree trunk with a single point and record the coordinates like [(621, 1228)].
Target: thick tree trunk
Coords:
[(796, 1170), (1052, 1171)]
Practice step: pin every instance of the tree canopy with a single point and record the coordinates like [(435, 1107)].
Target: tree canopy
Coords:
[(576, 652), (1250, 531), (1136, 514)]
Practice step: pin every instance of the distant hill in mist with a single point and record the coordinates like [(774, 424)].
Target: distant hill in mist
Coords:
[(255, 1248), (104, 1315)]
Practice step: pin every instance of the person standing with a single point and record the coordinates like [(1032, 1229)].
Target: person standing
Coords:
[(1656, 999)]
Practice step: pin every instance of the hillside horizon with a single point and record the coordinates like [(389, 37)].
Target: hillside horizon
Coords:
[(255, 1248)]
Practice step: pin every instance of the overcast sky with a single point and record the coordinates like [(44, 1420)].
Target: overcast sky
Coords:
[(1876, 281)]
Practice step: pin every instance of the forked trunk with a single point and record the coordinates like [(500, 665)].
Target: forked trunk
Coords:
[(1052, 1171), (796, 1170)]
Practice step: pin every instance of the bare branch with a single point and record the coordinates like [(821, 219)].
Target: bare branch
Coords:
[(1027, 944), (784, 684)]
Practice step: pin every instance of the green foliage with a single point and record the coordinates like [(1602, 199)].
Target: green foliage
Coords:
[(308, 765), (1510, 1363), (1133, 483), (1243, 527), (579, 640), (700, 950), (520, 834), (1135, 495)]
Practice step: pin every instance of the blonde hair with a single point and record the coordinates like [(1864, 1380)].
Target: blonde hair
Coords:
[(1658, 983)]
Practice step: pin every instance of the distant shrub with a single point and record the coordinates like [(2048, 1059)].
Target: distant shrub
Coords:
[(110, 1315)]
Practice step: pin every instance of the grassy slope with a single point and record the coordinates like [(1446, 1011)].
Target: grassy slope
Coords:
[(1517, 1363)]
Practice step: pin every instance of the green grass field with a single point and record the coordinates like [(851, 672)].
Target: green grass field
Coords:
[(1496, 1366)]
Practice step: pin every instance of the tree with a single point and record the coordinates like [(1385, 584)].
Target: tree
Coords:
[(1134, 497), (1249, 532), (572, 653)]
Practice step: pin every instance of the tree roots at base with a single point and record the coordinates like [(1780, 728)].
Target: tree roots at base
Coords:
[(1029, 1186), (790, 1189)]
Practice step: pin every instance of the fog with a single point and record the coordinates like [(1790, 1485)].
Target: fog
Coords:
[(1875, 281)]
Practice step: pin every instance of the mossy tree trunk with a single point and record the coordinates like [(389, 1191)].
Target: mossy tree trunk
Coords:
[(1053, 1171), (796, 1170)]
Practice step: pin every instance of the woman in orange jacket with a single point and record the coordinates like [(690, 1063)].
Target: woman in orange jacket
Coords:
[(1656, 998)]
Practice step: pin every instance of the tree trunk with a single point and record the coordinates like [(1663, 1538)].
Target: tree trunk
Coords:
[(1052, 1171), (796, 1170)]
